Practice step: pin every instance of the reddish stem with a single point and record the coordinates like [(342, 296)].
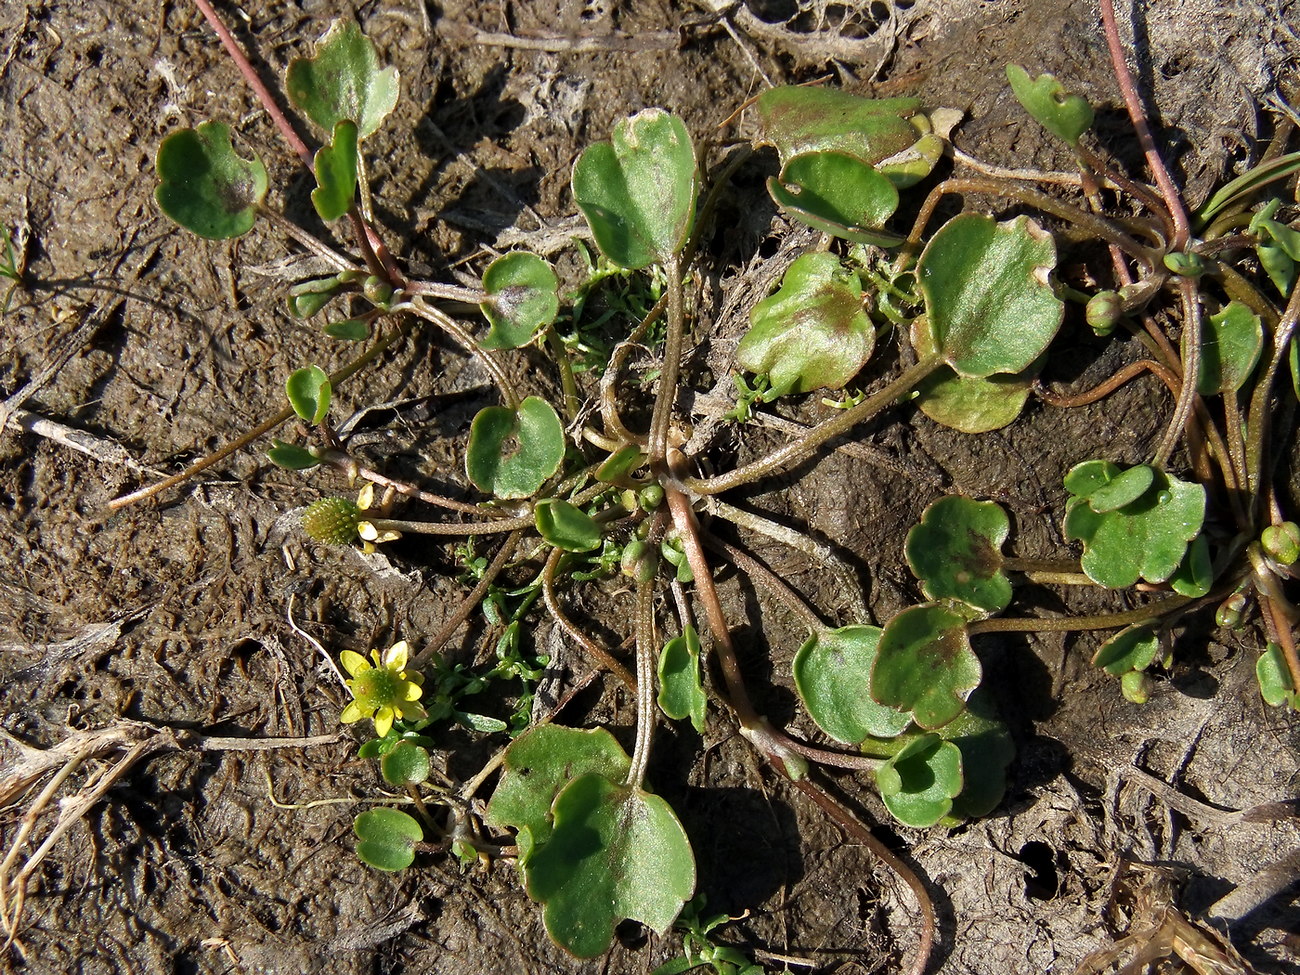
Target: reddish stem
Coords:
[(255, 82), (1133, 102)]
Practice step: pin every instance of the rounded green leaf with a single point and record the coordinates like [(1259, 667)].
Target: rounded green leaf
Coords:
[(405, 764), (968, 404), (343, 81), (837, 194), (1230, 348), (987, 293), (388, 838), (681, 686), (1134, 648), (566, 526), (919, 784), (1122, 489), (832, 672), (335, 166), (616, 853), (1144, 539), (511, 453), (205, 186), (812, 332), (925, 665), (523, 296), (956, 552), (1066, 116), (541, 762), (1275, 684), (638, 191), (309, 390)]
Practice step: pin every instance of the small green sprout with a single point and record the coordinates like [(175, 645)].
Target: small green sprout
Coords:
[(385, 691)]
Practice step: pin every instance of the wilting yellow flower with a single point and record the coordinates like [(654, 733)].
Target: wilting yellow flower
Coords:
[(385, 690)]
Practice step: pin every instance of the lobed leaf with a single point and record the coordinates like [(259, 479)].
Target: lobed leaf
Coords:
[(566, 526), (919, 784), (335, 166), (523, 296), (617, 852), (388, 838), (956, 552), (343, 82), (638, 191), (988, 295), (1065, 115), (511, 453), (837, 194), (925, 665), (681, 685), (832, 673), (812, 332), (207, 187)]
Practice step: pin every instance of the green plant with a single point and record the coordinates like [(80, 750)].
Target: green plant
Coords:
[(581, 495)]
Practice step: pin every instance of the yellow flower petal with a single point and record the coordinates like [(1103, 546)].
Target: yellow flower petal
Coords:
[(394, 657), (383, 721), (366, 496), (353, 712), (413, 691), (367, 531), (353, 662)]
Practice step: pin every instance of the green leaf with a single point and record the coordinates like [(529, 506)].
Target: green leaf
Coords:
[(832, 672), (566, 526), (638, 192), (968, 404), (618, 467), (837, 194), (956, 552), (205, 186), (1230, 348), (1195, 574), (309, 297), (1247, 184), (523, 296), (925, 665), (1274, 679), (291, 457), (1143, 539), (919, 784), (882, 132), (616, 852), (986, 751), (388, 838), (1133, 648), (405, 764), (1122, 489), (336, 172), (350, 330), (681, 687), (309, 393), (541, 762), (812, 332), (512, 453), (1066, 116), (343, 81), (988, 297)]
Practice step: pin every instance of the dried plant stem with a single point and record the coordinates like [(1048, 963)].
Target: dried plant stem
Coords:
[(266, 426), (646, 645)]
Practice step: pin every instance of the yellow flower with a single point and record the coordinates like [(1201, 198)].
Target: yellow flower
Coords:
[(385, 690)]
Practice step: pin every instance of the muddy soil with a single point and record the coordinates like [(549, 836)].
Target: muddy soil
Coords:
[(149, 348)]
